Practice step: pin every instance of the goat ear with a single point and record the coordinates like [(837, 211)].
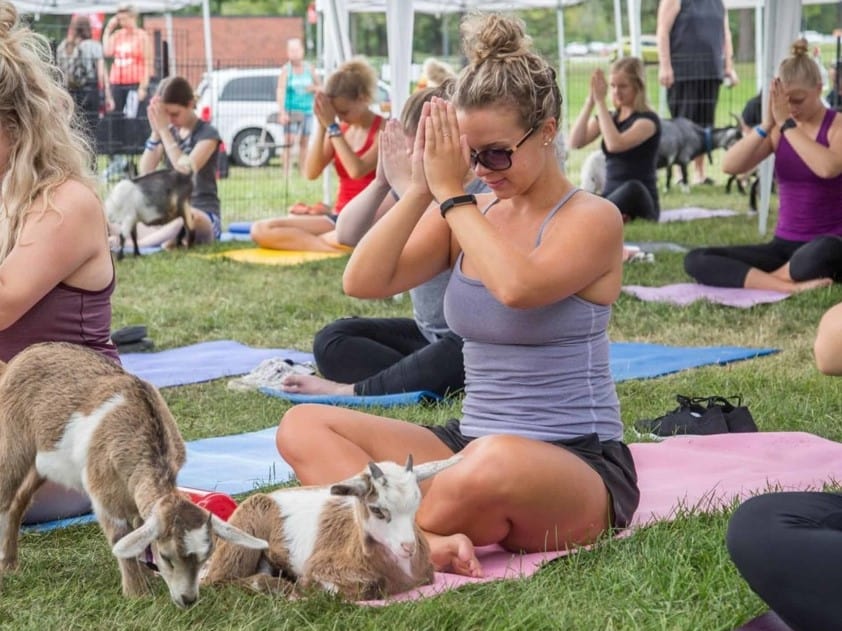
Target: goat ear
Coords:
[(134, 543), (376, 472), (429, 469), (409, 463), (236, 536), (359, 485)]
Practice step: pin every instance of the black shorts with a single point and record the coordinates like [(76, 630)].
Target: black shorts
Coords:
[(611, 459), (695, 100)]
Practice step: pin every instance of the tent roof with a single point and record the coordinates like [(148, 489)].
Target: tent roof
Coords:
[(459, 6), (99, 6)]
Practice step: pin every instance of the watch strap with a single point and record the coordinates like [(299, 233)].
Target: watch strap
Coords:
[(459, 200), (334, 130)]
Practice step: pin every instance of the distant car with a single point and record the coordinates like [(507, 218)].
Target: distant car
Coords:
[(576, 49), (648, 49), (241, 107)]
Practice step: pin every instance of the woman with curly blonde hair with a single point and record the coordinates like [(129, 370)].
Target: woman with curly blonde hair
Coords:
[(56, 272)]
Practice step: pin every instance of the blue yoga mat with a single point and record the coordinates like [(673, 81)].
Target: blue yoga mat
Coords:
[(632, 360), (239, 227), (353, 401), (229, 464), (203, 362)]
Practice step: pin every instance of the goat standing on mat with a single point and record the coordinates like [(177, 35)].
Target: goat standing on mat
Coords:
[(357, 538), (73, 417), (154, 199), (682, 141)]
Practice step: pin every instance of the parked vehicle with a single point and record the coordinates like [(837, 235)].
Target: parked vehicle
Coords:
[(241, 106)]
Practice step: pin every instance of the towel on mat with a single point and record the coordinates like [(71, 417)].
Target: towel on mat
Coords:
[(685, 293), (692, 213), (265, 256)]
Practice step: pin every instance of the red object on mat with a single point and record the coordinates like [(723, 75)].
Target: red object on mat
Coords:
[(219, 504)]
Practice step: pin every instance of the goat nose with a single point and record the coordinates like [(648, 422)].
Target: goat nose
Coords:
[(188, 600), (408, 547)]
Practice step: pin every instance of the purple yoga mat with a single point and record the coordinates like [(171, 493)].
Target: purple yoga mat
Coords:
[(685, 293), (692, 212)]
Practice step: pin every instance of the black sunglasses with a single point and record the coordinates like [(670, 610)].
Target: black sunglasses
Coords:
[(498, 159)]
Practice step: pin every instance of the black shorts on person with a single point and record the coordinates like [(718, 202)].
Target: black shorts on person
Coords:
[(611, 459)]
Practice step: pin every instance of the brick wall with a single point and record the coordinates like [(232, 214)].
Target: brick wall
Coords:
[(237, 41)]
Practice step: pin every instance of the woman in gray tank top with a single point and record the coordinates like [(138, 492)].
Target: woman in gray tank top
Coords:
[(533, 278)]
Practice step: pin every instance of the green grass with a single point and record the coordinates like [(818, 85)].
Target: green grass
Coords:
[(669, 576)]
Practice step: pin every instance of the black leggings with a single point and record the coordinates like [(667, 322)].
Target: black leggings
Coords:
[(388, 356), (634, 201), (788, 547), (728, 266)]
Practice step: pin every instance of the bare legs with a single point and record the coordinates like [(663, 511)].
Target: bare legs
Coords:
[(309, 233), (780, 280), (311, 384), (522, 494)]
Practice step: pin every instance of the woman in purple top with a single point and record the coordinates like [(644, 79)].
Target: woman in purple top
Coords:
[(535, 269), (806, 138), (56, 274)]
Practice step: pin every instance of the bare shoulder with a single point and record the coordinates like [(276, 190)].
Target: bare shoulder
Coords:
[(594, 211), (75, 206)]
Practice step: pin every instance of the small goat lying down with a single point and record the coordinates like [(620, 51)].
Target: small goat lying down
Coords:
[(153, 199), (73, 417), (357, 538)]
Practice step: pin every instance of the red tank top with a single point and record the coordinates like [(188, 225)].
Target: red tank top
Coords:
[(65, 314), (349, 188)]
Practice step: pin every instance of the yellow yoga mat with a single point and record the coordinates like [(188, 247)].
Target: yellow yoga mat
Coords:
[(265, 256)]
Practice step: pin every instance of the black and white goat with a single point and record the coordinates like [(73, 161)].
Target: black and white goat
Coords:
[(154, 199), (73, 417), (357, 538), (682, 141)]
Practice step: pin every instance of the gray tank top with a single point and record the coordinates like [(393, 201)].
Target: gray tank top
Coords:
[(541, 373)]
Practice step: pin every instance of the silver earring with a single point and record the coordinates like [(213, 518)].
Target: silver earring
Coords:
[(546, 143)]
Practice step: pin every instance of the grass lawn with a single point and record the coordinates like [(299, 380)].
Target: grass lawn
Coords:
[(668, 576)]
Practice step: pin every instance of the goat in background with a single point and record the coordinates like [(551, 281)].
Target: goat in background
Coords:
[(71, 416), (682, 141)]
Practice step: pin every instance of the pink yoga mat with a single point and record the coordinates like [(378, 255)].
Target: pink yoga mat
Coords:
[(698, 473), (692, 213), (685, 293)]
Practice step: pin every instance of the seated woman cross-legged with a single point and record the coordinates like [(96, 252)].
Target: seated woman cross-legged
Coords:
[(349, 144), (533, 276), (806, 139), (630, 137), (184, 142), (376, 356)]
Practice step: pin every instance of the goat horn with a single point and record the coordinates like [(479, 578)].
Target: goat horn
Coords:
[(376, 472), (429, 469), (409, 463)]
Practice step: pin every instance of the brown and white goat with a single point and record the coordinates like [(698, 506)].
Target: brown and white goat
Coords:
[(73, 417), (357, 538)]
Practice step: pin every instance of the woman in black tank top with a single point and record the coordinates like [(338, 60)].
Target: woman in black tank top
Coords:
[(630, 138)]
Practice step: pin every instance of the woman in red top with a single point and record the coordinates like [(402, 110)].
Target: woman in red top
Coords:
[(351, 145), (130, 48)]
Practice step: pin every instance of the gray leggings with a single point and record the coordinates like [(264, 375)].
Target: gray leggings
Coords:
[(728, 266)]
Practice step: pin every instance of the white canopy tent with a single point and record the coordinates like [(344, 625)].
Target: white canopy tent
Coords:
[(777, 25), (67, 7)]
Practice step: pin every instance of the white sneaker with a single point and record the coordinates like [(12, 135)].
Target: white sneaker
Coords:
[(270, 373)]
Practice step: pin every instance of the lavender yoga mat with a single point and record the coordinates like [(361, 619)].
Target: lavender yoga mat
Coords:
[(203, 362), (698, 473), (684, 293), (769, 621), (692, 213)]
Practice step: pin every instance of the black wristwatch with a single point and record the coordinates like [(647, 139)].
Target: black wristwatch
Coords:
[(459, 200), (789, 123)]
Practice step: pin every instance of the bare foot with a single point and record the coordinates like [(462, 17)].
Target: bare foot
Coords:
[(455, 553), (311, 384), (807, 285)]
